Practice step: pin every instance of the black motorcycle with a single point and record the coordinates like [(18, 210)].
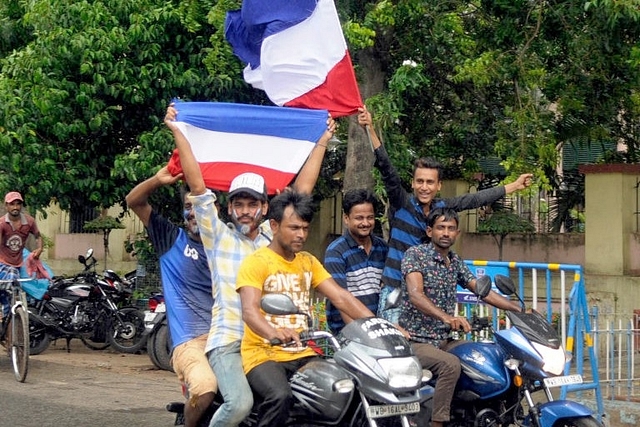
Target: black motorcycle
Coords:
[(86, 307), (371, 379)]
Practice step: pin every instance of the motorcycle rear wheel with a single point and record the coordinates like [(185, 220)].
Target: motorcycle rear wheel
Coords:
[(129, 335), (577, 422), (159, 348)]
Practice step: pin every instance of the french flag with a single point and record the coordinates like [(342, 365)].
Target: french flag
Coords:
[(230, 139), (295, 51)]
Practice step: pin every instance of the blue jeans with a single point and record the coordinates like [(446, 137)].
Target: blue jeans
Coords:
[(232, 385)]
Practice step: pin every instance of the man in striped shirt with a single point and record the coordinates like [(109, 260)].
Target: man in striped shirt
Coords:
[(356, 259), (408, 211)]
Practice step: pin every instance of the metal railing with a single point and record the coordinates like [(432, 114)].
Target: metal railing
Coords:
[(617, 343)]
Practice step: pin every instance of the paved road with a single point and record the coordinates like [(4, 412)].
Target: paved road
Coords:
[(86, 388)]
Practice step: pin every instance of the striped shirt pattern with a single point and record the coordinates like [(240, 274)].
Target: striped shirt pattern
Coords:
[(407, 220), (357, 272), (226, 248)]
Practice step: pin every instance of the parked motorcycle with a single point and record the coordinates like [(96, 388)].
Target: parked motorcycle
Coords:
[(85, 307), (159, 341), (499, 378), (372, 378)]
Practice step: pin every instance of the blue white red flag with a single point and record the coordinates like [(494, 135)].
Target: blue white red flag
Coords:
[(295, 51), (229, 139)]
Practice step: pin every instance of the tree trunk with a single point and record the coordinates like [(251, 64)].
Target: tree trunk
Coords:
[(359, 162)]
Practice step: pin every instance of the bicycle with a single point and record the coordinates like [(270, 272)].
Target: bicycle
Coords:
[(16, 331)]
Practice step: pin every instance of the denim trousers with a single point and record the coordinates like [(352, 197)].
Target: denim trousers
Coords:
[(232, 385)]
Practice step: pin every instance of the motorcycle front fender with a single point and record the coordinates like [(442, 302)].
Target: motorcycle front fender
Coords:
[(426, 393), (551, 412)]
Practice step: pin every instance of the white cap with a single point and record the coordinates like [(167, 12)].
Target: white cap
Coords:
[(250, 183)]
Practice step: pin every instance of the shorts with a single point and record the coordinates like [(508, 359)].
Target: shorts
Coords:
[(190, 363)]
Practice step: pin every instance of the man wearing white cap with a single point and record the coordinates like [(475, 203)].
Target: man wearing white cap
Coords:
[(226, 246), (15, 228)]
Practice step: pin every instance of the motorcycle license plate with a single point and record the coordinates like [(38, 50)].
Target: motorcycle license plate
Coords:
[(149, 316), (564, 380), (381, 411)]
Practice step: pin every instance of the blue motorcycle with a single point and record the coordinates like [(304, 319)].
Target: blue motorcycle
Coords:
[(503, 380)]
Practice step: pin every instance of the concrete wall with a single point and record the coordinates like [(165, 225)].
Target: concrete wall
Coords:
[(563, 248)]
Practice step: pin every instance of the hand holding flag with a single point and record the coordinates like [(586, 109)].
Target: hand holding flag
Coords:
[(230, 139)]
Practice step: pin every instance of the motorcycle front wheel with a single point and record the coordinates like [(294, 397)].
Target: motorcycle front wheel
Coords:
[(577, 422), (126, 332), (39, 339), (97, 340)]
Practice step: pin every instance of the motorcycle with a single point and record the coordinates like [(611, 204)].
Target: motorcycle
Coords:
[(499, 377), (159, 341), (371, 379), (85, 307)]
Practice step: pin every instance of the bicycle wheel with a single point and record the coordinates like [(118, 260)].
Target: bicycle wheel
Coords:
[(19, 339)]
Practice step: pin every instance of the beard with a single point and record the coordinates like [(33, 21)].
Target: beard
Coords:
[(193, 229)]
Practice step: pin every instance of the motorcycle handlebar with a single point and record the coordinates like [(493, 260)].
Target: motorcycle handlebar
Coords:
[(304, 337), (478, 324)]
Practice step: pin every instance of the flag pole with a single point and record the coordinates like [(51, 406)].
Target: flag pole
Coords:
[(366, 127)]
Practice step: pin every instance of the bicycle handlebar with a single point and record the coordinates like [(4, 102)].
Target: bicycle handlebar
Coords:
[(19, 279)]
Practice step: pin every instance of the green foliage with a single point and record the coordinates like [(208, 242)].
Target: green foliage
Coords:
[(98, 75), (84, 85), (103, 223), (141, 248), (502, 223)]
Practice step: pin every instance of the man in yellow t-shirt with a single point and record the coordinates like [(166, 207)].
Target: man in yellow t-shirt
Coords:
[(282, 267)]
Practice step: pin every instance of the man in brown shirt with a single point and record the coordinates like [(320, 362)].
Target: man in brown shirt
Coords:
[(15, 227)]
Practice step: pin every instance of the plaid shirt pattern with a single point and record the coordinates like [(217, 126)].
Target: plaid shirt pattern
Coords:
[(226, 248)]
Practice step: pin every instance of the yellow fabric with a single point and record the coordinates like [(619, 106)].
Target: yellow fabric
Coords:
[(269, 272)]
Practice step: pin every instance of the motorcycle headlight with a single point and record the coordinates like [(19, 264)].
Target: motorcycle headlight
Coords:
[(402, 372), (554, 359)]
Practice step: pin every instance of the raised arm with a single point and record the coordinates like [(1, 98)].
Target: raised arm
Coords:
[(308, 175), (521, 183), (393, 184), (138, 197), (190, 166)]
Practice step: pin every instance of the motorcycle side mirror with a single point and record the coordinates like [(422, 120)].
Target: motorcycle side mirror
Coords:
[(393, 299), (507, 287), (505, 284), (281, 305), (81, 259), (89, 253), (278, 304), (483, 286)]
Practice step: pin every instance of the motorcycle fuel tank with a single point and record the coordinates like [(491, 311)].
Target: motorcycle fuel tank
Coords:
[(314, 392), (484, 374)]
